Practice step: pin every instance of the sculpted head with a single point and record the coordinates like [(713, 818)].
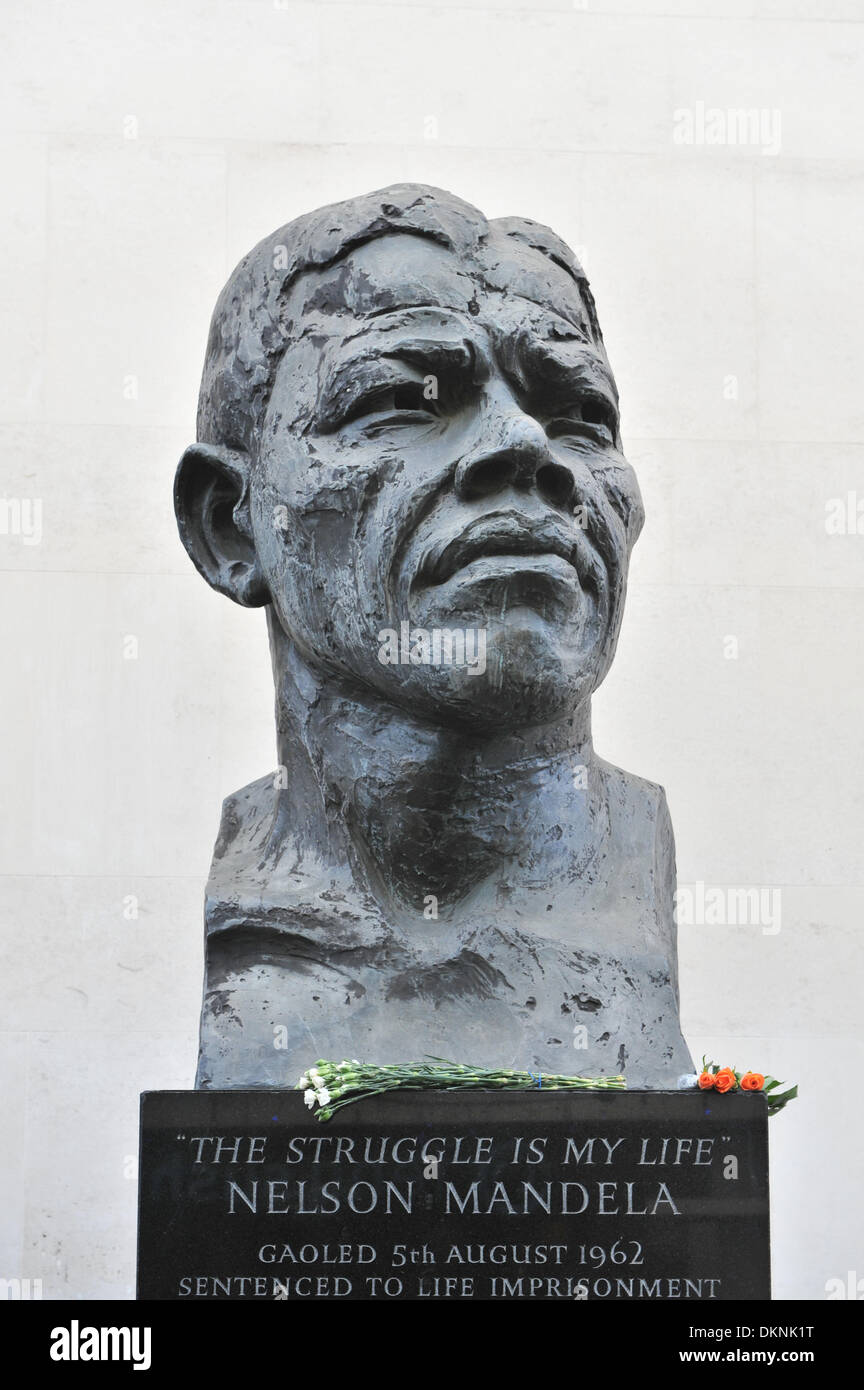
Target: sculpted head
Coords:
[(407, 415)]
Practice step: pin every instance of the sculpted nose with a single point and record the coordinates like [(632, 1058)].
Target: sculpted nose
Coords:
[(518, 458)]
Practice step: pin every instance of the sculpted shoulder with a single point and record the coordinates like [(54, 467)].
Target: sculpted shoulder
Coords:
[(634, 799), (265, 881)]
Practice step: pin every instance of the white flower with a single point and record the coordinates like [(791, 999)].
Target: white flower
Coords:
[(309, 1097), (303, 1083), (323, 1096), (314, 1075), (686, 1083)]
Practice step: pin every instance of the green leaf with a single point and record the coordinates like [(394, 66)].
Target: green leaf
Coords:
[(776, 1102)]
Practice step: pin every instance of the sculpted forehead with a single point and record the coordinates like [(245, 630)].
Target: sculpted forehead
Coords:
[(392, 272), (388, 273)]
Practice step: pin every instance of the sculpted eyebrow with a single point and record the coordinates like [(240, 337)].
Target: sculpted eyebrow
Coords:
[(366, 369), (546, 361), (417, 351)]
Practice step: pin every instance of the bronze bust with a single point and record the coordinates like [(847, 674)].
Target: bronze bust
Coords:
[(409, 452)]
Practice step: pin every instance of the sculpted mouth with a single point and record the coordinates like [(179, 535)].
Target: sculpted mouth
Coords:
[(502, 537)]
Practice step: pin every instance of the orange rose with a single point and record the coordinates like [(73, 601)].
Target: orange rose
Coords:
[(752, 1081), (706, 1081), (725, 1080)]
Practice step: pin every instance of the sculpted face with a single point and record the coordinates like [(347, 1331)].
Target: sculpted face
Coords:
[(441, 448)]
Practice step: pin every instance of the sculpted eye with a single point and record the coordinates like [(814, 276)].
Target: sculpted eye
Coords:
[(591, 411), (405, 397), (596, 412), (410, 396)]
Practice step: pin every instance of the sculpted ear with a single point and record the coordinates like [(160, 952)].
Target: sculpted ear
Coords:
[(211, 502)]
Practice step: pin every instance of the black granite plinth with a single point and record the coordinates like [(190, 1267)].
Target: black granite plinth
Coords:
[(488, 1195)]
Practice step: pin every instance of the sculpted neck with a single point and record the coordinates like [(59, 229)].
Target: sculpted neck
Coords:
[(417, 808)]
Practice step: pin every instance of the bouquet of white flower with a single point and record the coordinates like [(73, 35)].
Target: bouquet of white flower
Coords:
[(332, 1085)]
